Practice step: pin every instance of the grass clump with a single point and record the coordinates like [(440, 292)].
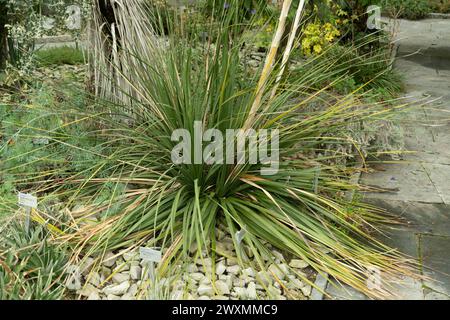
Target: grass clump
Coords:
[(60, 56), (30, 267)]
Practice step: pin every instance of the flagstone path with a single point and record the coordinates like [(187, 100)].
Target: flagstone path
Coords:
[(420, 183)]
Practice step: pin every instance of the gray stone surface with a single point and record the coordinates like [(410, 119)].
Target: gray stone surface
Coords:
[(408, 289), (432, 218), (418, 188), (343, 292), (405, 182), (439, 175), (436, 265), (436, 296)]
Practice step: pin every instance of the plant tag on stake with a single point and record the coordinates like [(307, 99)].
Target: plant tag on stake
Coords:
[(41, 141), (150, 256), (240, 236), (27, 201)]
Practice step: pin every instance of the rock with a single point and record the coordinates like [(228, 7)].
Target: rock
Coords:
[(96, 279), (134, 263), (247, 279), (204, 298), (278, 255), (73, 280), (191, 283), (306, 290), (105, 272), (234, 269), (222, 287), (251, 291), (133, 289), (109, 260), (135, 272), (239, 282), (232, 261), (130, 256), (264, 278), (112, 297), (197, 276), (128, 296), (228, 278), (193, 248), (223, 251), (253, 63), (256, 57), (274, 270), (205, 262), (191, 268), (119, 289), (220, 268), (220, 235), (228, 243), (86, 266), (248, 251), (280, 271), (298, 264), (220, 298), (206, 281), (207, 270), (94, 296), (271, 290), (294, 283), (120, 277), (249, 272), (436, 296), (221, 247), (87, 290), (205, 290), (121, 265), (241, 293)]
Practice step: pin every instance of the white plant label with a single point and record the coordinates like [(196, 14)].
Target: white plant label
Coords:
[(150, 255), (240, 236), (41, 141), (27, 200)]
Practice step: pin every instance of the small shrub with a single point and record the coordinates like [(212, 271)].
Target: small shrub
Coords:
[(407, 9), (440, 6)]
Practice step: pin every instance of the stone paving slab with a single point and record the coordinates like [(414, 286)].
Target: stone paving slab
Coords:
[(436, 261), (440, 177), (343, 292), (418, 217), (419, 187), (429, 148), (408, 289), (433, 295), (406, 182)]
